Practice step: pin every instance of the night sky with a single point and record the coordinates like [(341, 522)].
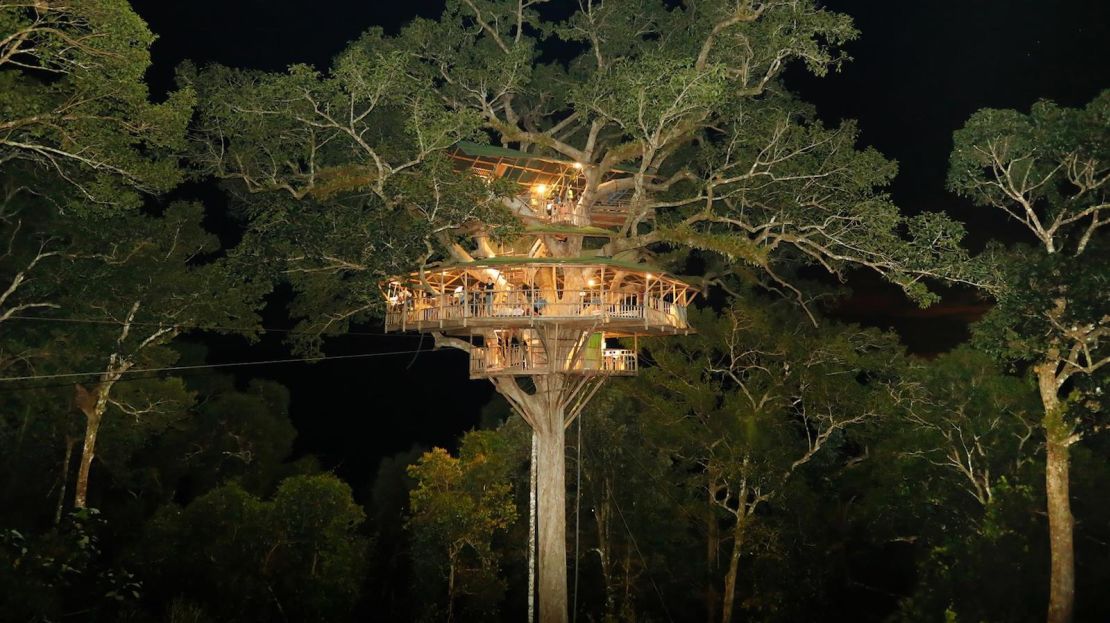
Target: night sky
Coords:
[(919, 70)]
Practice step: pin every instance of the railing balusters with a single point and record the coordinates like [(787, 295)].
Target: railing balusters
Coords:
[(417, 308)]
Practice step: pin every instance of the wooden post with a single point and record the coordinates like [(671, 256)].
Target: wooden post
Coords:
[(601, 297)]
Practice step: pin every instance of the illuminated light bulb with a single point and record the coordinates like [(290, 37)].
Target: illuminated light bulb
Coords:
[(578, 165), (591, 283), (649, 275), (540, 189)]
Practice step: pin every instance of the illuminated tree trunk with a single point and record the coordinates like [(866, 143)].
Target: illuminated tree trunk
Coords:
[(1061, 602), (88, 448), (551, 515), (546, 411), (532, 535), (733, 568), (93, 404)]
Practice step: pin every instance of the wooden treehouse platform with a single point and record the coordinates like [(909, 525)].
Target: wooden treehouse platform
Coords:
[(498, 359), (525, 313), (577, 293)]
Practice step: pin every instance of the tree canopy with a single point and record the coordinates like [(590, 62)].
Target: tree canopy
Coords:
[(343, 173), (77, 119)]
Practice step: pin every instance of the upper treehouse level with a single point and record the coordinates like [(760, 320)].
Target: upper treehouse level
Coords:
[(551, 189), (583, 294)]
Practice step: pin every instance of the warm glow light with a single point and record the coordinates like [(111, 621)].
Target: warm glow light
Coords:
[(578, 165), (649, 275), (591, 283), (540, 189)]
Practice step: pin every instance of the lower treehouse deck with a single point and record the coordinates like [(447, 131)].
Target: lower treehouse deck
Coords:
[(522, 360)]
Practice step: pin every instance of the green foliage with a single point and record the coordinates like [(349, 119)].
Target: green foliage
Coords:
[(745, 421), (1047, 169), (344, 181), (298, 555), (76, 122), (456, 509), (953, 480), (44, 576)]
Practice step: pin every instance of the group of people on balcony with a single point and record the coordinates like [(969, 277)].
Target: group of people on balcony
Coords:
[(487, 300)]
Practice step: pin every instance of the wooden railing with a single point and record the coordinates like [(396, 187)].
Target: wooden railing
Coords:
[(618, 360), (523, 360), (532, 306), (562, 214)]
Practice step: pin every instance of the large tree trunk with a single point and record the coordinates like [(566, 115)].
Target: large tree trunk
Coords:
[(1061, 601), (733, 568), (532, 534), (88, 451), (551, 515), (93, 404), (546, 410)]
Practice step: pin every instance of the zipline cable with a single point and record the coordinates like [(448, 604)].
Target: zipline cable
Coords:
[(197, 326), (643, 561), (264, 362)]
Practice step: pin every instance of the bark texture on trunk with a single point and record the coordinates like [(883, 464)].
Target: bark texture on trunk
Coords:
[(93, 404), (556, 400), (532, 534), (1061, 600), (551, 515), (733, 570), (88, 452)]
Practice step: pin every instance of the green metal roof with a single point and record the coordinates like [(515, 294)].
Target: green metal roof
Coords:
[(570, 230)]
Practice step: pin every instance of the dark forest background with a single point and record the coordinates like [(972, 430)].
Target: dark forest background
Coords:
[(381, 484)]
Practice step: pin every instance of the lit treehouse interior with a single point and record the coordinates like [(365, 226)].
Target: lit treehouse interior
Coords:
[(541, 314), (529, 309)]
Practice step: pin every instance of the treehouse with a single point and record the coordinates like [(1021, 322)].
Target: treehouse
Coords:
[(523, 309), (536, 316), (551, 189), (520, 292), (546, 316)]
